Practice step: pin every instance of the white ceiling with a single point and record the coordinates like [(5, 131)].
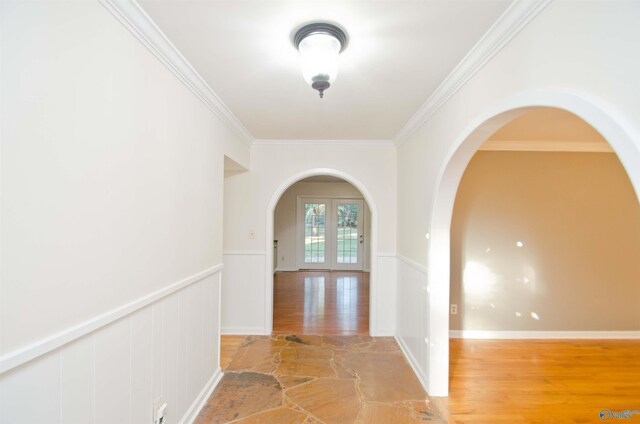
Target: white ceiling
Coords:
[(398, 54)]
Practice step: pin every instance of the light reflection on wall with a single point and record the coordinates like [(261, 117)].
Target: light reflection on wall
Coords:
[(313, 299), (478, 282), (484, 293), (533, 233), (347, 302)]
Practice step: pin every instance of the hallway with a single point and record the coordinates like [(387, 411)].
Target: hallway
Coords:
[(321, 303), (168, 168)]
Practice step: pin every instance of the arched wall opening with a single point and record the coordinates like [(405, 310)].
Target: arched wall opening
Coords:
[(545, 226), (322, 228), (275, 198), (604, 120)]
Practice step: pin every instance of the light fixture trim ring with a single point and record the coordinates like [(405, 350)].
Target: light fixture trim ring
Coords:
[(321, 28)]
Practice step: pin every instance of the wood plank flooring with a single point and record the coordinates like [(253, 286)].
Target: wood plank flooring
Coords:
[(321, 303), (541, 381)]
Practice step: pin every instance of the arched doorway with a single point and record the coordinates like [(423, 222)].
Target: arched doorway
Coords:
[(269, 286), (322, 259), (545, 225), (606, 122)]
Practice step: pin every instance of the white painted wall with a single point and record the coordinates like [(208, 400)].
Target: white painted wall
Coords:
[(111, 210), (285, 219), (248, 196), (579, 56)]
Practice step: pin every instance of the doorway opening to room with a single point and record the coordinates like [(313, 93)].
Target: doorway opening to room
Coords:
[(322, 227), (544, 241)]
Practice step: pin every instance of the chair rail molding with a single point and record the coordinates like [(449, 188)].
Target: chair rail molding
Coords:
[(30, 352)]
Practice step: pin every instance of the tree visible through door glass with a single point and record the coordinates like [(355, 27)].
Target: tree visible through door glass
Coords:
[(347, 237), (315, 225)]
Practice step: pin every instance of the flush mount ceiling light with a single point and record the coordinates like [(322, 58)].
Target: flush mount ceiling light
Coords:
[(319, 45)]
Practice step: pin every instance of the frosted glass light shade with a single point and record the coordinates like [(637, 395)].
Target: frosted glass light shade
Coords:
[(319, 56), (319, 45)]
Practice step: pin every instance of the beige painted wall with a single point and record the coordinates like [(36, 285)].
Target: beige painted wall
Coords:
[(579, 221), (285, 218)]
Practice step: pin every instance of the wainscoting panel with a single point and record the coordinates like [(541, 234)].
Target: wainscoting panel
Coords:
[(412, 328), (385, 296), (77, 381), (31, 394), (243, 293), (113, 372), (167, 349)]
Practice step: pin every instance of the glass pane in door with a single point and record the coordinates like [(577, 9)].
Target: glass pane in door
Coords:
[(347, 233), (315, 226)]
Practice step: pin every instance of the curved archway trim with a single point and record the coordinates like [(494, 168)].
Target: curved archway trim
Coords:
[(601, 116)]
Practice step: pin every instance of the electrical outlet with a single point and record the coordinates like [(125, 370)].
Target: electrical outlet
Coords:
[(252, 234), (454, 309), (159, 412)]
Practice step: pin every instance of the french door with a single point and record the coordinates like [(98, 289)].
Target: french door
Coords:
[(330, 233)]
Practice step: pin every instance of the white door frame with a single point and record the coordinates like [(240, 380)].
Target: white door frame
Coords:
[(373, 210)]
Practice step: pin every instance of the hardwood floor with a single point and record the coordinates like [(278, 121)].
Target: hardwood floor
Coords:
[(541, 381), (321, 303)]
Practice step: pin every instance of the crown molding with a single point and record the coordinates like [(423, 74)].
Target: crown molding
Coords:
[(350, 143), (508, 25), (546, 146), (136, 20)]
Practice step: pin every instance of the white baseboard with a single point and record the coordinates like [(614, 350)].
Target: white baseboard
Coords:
[(279, 269), (385, 333), (243, 331), (487, 334), (201, 400), (415, 365)]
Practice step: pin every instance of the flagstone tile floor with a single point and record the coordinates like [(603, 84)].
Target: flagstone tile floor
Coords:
[(318, 379)]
